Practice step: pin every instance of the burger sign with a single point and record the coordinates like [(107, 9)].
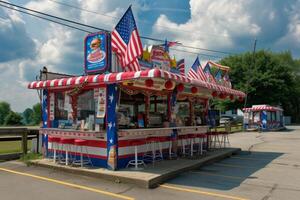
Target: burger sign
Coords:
[(96, 53)]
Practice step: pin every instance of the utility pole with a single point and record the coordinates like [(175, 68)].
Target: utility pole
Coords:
[(250, 72)]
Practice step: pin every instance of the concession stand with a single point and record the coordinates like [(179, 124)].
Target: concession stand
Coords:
[(112, 113), (264, 117)]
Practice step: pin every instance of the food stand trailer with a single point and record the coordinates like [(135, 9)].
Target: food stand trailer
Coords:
[(110, 112), (264, 117)]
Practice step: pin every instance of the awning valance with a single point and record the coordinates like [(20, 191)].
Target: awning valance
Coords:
[(119, 77), (261, 108)]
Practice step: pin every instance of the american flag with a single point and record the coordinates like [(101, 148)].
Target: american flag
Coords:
[(126, 42), (196, 71), (218, 76), (208, 74), (168, 44), (226, 80), (180, 66)]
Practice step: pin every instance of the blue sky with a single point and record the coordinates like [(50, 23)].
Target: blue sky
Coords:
[(27, 44)]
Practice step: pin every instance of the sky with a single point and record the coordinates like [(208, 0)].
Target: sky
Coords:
[(28, 43)]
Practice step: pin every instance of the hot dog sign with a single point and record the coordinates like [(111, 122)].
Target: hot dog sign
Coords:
[(97, 53)]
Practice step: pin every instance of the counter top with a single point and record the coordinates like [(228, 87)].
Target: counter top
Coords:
[(162, 131), (72, 133)]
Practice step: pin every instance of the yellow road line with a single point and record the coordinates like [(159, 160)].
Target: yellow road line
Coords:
[(213, 174), (173, 187), (68, 184), (261, 159), (234, 166)]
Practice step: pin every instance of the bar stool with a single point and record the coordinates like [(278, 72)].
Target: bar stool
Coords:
[(214, 139), (136, 162), (66, 145), (171, 153), (192, 138), (82, 145), (201, 138), (151, 154), (183, 139), (55, 145), (224, 139)]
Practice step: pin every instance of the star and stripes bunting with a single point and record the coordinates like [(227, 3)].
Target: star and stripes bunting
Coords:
[(207, 72), (181, 66), (196, 71), (227, 81), (218, 76), (126, 42)]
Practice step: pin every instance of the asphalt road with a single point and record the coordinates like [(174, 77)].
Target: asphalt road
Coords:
[(268, 168)]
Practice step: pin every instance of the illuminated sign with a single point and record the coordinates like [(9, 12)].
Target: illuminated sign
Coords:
[(97, 55)]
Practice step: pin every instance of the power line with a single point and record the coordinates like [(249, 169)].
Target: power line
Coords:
[(77, 23), (70, 26), (143, 21), (55, 17), (167, 28), (100, 29), (196, 53)]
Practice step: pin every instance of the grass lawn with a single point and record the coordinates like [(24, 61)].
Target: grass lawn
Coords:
[(12, 146)]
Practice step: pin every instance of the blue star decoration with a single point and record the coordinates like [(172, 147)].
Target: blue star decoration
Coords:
[(109, 125), (111, 98)]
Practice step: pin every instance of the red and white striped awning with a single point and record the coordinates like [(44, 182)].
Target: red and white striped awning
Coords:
[(126, 76), (261, 108)]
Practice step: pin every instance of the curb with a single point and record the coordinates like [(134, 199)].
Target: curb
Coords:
[(10, 156), (144, 183)]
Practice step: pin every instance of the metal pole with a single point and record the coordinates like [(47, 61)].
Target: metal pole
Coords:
[(250, 72)]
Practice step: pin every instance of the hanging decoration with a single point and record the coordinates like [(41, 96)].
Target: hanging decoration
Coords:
[(149, 83), (194, 90), (214, 94), (168, 84), (180, 87)]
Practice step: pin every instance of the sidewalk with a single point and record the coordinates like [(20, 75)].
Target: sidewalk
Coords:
[(151, 176)]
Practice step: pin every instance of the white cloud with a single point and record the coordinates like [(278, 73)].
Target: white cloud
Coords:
[(213, 24)]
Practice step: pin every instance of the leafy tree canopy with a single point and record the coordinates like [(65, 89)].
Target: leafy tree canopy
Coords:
[(4, 111), (268, 78)]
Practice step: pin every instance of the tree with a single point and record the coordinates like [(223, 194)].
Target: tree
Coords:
[(4, 111), (37, 114), (13, 119), (28, 116), (268, 78)]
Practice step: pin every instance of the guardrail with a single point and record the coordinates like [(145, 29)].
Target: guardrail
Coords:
[(19, 133), (228, 128)]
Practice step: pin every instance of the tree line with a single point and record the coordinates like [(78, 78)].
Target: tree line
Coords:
[(30, 116), (267, 78)]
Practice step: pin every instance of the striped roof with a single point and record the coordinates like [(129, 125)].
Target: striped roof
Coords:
[(261, 108), (118, 77)]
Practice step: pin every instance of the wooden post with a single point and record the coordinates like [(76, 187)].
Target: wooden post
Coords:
[(24, 142)]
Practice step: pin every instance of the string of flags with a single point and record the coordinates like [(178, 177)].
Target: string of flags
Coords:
[(126, 43)]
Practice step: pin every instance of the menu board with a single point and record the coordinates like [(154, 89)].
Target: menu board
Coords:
[(101, 103), (52, 106), (97, 52)]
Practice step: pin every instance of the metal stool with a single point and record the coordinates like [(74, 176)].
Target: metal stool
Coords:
[(66, 145), (136, 162), (224, 139), (201, 138), (82, 144), (170, 141), (183, 139), (55, 145), (192, 138), (153, 156), (214, 139)]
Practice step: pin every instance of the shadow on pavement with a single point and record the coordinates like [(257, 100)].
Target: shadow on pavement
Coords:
[(228, 173)]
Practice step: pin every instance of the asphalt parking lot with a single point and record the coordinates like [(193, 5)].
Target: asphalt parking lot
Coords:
[(267, 168)]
